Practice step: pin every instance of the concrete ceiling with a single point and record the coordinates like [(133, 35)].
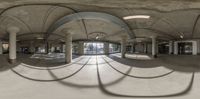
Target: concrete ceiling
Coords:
[(169, 19)]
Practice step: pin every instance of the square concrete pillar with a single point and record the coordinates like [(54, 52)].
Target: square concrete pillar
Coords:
[(194, 48), (1, 47)]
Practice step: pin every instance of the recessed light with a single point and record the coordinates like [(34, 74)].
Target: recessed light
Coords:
[(136, 17)]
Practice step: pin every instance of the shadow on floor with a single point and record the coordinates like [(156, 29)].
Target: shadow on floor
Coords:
[(133, 76), (177, 63), (41, 62), (4, 64), (137, 63), (181, 93), (102, 86), (48, 69), (182, 63)]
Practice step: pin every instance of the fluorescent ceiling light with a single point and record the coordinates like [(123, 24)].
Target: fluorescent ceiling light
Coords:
[(136, 17)]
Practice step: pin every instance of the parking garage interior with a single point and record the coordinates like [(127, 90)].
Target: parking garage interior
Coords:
[(99, 49)]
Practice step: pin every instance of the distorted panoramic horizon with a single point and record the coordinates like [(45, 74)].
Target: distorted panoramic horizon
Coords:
[(99, 49)]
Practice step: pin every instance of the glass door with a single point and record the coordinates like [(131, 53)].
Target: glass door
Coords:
[(93, 48)]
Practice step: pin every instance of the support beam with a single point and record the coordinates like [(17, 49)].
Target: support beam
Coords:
[(64, 48), (50, 47), (91, 15), (154, 47), (176, 48), (194, 48), (145, 48), (47, 47), (81, 48), (198, 47), (61, 48), (106, 48), (32, 48), (123, 46), (171, 43), (68, 47), (132, 47), (12, 43), (1, 47)]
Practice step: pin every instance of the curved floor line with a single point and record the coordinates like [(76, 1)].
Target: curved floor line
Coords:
[(151, 77), (40, 80), (91, 86), (94, 63), (103, 89)]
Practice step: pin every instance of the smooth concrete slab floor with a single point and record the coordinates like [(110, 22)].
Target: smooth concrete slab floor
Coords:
[(104, 77)]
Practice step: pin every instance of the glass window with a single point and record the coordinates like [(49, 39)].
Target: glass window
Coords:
[(75, 48), (114, 48), (93, 48)]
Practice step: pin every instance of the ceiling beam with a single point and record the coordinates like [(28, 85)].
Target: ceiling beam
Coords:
[(91, 15)]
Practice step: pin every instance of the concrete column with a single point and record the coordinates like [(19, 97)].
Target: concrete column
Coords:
[(81, 48), (145, 47), (123, 47), (32, 48), (154, 47), (55, 47), (176, 48), (194, 48), (50, 47), (133, 47), (198, 46), (68, 47), (12, 43), (61, 48), (47, 47), (106, 48), (171, 47), (1, 47)]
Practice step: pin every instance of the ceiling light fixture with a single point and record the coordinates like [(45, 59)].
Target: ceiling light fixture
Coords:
[(97, 37), (136, 17), (181, 36), (40, 38)]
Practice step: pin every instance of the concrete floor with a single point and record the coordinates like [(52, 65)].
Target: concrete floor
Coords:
[(104, 77)]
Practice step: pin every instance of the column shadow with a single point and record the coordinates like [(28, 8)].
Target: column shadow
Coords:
[(57, 79), (181, 93)]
